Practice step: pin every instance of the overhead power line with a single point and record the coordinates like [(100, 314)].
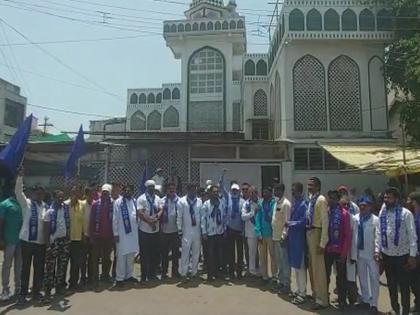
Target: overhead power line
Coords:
[(54, 109)]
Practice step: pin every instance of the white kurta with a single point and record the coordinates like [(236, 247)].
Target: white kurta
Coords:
[(351, 268), (129, 242)]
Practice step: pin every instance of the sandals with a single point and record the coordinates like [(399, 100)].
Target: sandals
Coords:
[(298, 300)]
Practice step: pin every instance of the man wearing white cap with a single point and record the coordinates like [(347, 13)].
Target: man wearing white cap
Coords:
[(125, 230), (235, 227), (158, 178), (101, 235), (149, 213)]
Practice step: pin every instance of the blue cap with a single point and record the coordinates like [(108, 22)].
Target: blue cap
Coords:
[(364, 200)]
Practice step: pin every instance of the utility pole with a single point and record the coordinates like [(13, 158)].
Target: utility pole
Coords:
[(45, 125)]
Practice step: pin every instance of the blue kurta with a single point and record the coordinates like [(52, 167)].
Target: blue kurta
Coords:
[(297, 233)]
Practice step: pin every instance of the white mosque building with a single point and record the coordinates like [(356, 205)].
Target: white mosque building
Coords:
[(268, 115)]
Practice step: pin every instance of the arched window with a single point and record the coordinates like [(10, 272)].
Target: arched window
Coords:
[(202, 26), (367, 20), (173, 28), (344, 95), (151, 98), (176, 95), (260, 103), (314, 20), (225, 25), (241, 24), (180, 27), (232, 25), (195, 27), (384, 20), (138, 121), (154, 121), (158, 98), (217, 26), (171, 118), (249, 67), (296, 20), (166, 28), (310, 105), (134, 99), (331, 20), (261, 67), (349, 20), (166, 94), (210, 26), (206, 75), (142, 98), (188, 27)]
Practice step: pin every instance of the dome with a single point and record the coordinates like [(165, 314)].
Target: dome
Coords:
[(217, 3)]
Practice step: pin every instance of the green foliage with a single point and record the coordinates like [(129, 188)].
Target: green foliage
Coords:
[(403, 62)]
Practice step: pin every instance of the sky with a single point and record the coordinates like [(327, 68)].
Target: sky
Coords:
[(82, 55)]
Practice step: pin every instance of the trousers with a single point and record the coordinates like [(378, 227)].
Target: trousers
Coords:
[(334, 259), (368, 271), (266, 252), (124, 266), (283, 273), (76, 262), (215, 254), (149, 254), (317, 271), (32, 255), (190, 253), (235, 251), (56, 260), (12, 255), (169, 242), (101, 248), (398, 277), (252, 255)]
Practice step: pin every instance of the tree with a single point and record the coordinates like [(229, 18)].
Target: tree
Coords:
[(402, 58)]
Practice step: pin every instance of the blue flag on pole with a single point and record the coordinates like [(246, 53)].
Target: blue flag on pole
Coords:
[(12, 155), (144, 179), (78, 150)]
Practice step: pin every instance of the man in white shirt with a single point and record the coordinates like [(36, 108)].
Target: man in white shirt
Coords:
[(249, 210), (368, 254), (213, 227), (86, 273), (189, 228), (159, 179), (125, 229), (398, 248), (149, 211), (57, 235), (33, 239), (280, 217), (169, 231)]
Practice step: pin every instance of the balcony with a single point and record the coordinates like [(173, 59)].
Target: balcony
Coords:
[(204, 26)]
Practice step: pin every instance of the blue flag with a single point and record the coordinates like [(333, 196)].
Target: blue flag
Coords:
[(12, 155), (78, 150), (144, 179)]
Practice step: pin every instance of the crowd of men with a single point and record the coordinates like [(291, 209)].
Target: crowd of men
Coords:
[(236, 232)]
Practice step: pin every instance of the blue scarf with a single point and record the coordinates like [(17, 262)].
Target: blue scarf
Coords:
[(152, 206), (216, 212), (33, 222), (312, 204), (361, 232), (126, 215), (267, 211), (53, 222), (384, 226), (334, 229), (248, 205), (98, 214), (191, 204), (165, 216), (235, 206), (417, 218)]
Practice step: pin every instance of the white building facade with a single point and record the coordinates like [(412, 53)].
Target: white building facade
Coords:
[(321, 82)]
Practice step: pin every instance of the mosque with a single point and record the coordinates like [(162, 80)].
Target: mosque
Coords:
[(320, 85)]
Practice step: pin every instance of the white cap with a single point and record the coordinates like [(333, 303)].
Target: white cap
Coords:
[(235, 187), (150, 183), (159, 188), (107, 187)]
